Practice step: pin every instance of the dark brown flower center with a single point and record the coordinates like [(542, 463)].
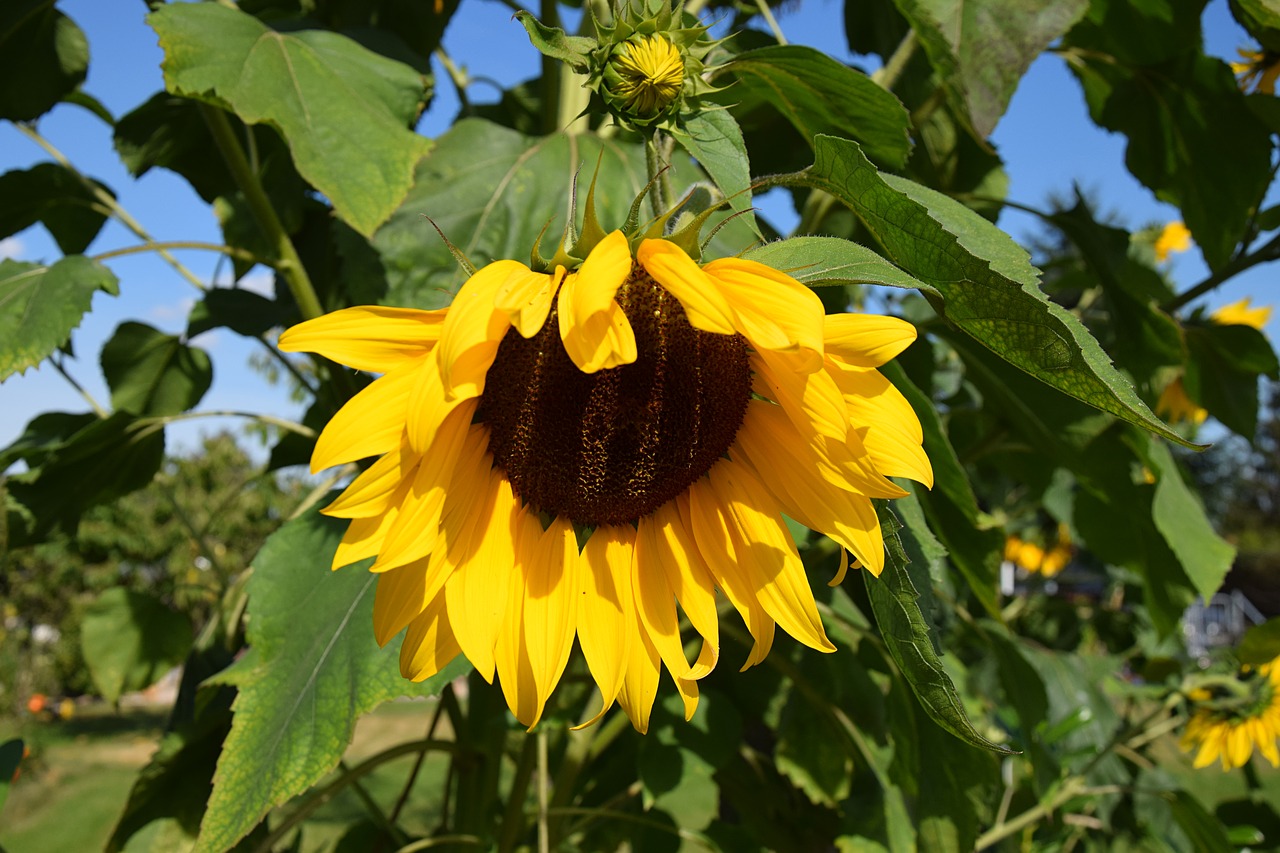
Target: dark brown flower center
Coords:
[(612, 446)]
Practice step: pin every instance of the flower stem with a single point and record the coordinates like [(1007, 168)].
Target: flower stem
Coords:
[(109, 203), (513, 817), (1269, 252), (93, 404), (659, 182), (163, 247), (772, 22), (288, 264)]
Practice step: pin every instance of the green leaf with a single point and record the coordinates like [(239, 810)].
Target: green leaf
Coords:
[(130, 639), (1260, 644), (894, 600), (1206, 833), (957, 786), (102, 461), (43, 57), (822, 261), (492, 191), (54, 196), (809, 753), (951, 506), (981, 49), (819, 95), (242, 311), (1176, 106), (1222, 372), (344, 110), (10, 757), (42, 436), (981, 280), (1179, 516), (151, 373), (40, 305), (552, 42), (713, 138), (311, 671)]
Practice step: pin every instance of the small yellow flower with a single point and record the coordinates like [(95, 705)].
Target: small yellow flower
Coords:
[(1232, 735), (1258, 71), (1241, 314), (1038, 560), (1176, 407), (1174, 237), (644, 75), (575, 452)]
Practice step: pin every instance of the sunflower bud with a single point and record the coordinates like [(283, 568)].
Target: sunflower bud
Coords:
[(643, 78)]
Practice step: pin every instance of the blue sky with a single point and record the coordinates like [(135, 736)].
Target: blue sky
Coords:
[(1046, 139)]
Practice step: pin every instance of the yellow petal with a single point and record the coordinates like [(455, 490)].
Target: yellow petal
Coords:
[(472, 331), (866, 340), (600, 276), (1240, 314), (767, 554), (370, 493), (370, 423), (477, 590), (526, 298), (676, 555), (368, 337), (703, 303), (811, 400), (885, 422), (414, 533), (606, 616), (599, 341), (655, 601), (430, 643), (786, 469), (774, 311), (705, 517), (551, 604), (640, 682), (464, 499), (364, 536), (510, 652), (400, 596)]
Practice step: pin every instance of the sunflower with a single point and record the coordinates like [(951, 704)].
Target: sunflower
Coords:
[(1232, 734), (1173, 237), (575, 452)]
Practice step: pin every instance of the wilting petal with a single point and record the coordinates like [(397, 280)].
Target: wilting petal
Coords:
[(430, 644), (774, 311), (866, 340), (472, 331), (371, 423), (368, 337), (606, 617), (767, 554), (526, 297), (703, 303), (600, 276), (600, 341)]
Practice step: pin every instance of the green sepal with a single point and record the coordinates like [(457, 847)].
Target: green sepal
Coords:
[(555, 43)]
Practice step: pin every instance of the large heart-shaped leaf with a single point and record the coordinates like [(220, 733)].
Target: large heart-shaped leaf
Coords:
[(151, 373), (344, 110), (311, 671)]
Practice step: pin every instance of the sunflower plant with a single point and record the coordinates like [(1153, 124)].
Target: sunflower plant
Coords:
[(691, 459)]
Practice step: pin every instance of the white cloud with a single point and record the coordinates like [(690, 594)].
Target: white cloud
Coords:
[(11, 247), (175, 311)]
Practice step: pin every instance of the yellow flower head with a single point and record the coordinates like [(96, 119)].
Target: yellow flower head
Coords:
[(1258, 71), (1174, 237), (1037, 560), (574, 452), (1241, 314), (1232, 735), (1176, 407), (644, 75)]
